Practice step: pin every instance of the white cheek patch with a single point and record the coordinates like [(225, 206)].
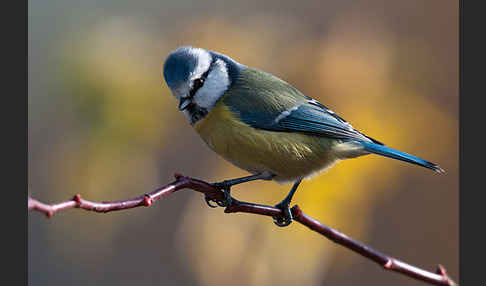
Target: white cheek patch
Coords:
[(214, 87)]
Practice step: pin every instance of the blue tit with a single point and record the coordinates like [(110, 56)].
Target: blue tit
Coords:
[(262, 124)]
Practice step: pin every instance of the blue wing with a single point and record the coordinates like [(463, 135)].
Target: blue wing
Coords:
[(313, 117), (309, 117)]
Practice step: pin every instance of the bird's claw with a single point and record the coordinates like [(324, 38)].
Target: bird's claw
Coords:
[(286, 218), (227, 196), (209, 200), (226, 202)]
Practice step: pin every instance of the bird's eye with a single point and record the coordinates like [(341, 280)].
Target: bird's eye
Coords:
[(197, 84)]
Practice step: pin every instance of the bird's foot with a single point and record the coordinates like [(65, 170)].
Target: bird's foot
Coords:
[(226, 187), (286, 218), (208, 201)]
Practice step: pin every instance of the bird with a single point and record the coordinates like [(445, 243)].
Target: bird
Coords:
[(262, 124)]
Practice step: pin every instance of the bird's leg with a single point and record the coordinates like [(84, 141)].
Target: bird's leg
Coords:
[(284, 205), (227, 184)]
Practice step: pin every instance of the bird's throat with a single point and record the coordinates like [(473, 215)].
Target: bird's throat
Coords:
[(195, 113)]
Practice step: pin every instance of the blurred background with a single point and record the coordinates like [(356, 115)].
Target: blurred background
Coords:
[(102, 123)]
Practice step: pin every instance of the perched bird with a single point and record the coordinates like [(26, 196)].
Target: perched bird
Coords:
[(262, 124)]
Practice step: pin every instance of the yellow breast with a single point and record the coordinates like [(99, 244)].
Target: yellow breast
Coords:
[(288, 155)]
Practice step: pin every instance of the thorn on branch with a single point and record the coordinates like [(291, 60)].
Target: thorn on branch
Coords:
[(49, 213), (77, 198), (147, 200), (441, 270), (296, 211)]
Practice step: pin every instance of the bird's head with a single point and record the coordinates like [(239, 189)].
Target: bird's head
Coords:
[(198, 78)]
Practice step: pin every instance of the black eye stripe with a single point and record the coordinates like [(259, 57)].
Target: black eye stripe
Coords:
[(199, 82)]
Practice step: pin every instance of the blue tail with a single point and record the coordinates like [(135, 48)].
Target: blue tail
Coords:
[(395, 154)]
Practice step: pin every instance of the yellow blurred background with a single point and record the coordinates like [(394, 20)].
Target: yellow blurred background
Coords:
[(103, 123)]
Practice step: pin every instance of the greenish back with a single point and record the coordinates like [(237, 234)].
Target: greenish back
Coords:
[(260, 97)]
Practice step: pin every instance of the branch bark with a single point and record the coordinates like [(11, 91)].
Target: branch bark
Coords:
[(440, 277)]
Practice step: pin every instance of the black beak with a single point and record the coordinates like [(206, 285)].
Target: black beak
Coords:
[(184, 103)]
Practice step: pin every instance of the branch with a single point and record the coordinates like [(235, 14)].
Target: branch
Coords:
[(182, 182)]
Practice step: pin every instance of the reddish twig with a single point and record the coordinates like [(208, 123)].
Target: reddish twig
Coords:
[(213, 193)]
